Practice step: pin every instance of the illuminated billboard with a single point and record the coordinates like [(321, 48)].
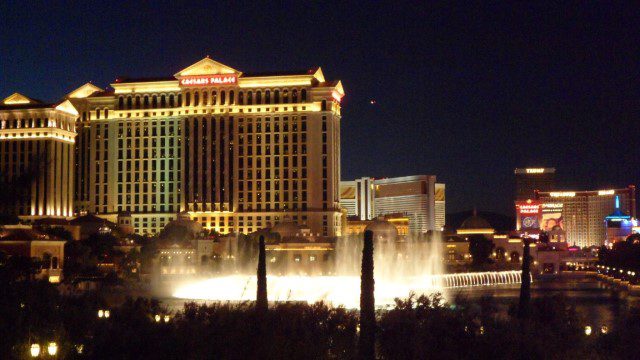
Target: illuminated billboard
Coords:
[(529, 215), (552, 216)]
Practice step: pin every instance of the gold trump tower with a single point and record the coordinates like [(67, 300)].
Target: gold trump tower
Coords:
[(238, 152)]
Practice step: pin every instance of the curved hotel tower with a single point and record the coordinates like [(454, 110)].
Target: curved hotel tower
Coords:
[(237, 151)]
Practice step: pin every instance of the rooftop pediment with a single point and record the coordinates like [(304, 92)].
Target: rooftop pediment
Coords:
[(207, 66), (67, 107), (17, 99), (83, 91)]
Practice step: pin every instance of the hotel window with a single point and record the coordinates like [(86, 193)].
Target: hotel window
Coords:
[(154, 101), (196, 98), (240, 98), (258, 97), (120, 103), (276, 96), (171, 100), (294, 96), (231, 98), (222, 98), (187, 99), (214, 97), (137, 102), (129, 102), (267, 97), (303, 95), (205, 98)]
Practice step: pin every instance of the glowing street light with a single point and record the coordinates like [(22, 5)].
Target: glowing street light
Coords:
[(604, 329), (157, 318), (34, 350), (107, 313), (587, 330), (104, 314), (52, 349), (100, 314), (166, 318)]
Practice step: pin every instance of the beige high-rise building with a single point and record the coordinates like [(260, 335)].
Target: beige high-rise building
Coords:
[(237, 151), (417, 197), (37, 157), (583, 213)]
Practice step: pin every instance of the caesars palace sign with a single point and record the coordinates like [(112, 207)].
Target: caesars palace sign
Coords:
[(204, 80)]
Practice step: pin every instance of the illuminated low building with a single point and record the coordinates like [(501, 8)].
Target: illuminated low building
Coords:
[(47, 250), (355, 226), (619, 225), (37, 157), (294, 249), (583, 213)]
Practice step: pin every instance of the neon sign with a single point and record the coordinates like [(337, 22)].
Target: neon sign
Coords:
[(535, 171), (563, 194), (204, 80)]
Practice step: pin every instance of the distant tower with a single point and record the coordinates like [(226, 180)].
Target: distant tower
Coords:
[(528, 180)]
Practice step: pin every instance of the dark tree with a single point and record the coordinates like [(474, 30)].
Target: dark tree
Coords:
[(525, 287), (261, 301), (480, 248), (366, 342)]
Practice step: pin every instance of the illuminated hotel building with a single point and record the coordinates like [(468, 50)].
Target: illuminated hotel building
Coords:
[(528, 180), (37, 157), (417, 197), (237, 151), (440, 207), (584, 212)]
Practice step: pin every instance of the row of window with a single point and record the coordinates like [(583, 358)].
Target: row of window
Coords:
[(202, 98), (36, 123)]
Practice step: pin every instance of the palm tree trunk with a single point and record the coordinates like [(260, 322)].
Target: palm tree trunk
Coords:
[(525, 287), (367, 339), (262, 302)]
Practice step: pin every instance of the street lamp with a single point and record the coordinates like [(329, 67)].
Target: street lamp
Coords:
[(587, 330), (52, 349), (157, 318), (34, 350), (104, 314)]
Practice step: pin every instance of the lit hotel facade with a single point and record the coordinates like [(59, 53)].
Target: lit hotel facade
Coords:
[(582, 214), (238, 152), (417, 197), (37, 157)]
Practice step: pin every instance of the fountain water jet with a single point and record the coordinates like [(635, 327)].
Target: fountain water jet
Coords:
[(402, 265)]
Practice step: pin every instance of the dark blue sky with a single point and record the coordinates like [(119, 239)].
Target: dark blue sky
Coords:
[(464, 92)]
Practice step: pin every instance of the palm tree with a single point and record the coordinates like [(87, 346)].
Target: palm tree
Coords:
[(525, 287), (262, 302), (366, 342)]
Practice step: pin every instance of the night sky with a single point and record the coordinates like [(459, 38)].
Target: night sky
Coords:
[(467, 93)]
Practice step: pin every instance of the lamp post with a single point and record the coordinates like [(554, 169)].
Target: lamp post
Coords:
[(52, 348), (34, 350)]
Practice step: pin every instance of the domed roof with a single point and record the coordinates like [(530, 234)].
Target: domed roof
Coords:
[(382, 229), (286, 228), (475, 222), (184, 221)]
